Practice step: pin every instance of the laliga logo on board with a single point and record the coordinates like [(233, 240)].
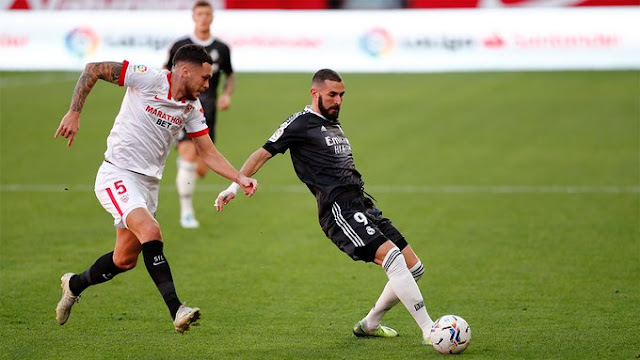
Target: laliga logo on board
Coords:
[(82, 41), (376, 42)]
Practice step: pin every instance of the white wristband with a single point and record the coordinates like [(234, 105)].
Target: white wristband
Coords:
[(233, 188)]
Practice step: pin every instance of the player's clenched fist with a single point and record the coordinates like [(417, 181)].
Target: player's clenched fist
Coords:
[(249, 185)]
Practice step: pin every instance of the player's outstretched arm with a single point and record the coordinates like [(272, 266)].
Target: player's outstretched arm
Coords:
[(70, 123), (250, 167), (218, 163)]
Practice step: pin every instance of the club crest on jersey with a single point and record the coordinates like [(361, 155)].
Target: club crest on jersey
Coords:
[(187, 109), (140, 68)]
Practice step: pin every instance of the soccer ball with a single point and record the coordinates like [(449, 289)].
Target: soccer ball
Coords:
[(450, 334)]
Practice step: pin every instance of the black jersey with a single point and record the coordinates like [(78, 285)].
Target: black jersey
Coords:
[(321, 156), (220, 54)]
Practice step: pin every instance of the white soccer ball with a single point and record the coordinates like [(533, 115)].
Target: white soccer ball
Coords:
[(450, 334)]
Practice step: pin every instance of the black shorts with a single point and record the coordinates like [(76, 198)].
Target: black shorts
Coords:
[(358, 228)]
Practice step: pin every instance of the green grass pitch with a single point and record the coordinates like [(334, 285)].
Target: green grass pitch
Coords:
[(519, 191)]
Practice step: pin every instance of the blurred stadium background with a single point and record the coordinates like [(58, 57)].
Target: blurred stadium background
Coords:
[(501, 136)]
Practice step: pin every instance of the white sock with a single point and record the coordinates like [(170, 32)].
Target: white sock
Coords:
[(404, 286), (186, 184), (387, 300)]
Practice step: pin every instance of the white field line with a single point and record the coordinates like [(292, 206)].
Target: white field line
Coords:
[(384, 189), (8, 82)]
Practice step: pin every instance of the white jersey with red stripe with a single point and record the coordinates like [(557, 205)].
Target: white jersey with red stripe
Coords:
[(148, 121)]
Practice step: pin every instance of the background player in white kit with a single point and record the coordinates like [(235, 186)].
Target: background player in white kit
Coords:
[(157, 105)]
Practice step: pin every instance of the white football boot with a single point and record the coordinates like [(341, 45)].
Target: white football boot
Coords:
[(185, 317), (63, 310)]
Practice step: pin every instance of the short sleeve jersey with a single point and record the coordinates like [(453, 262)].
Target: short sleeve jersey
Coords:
[(321, 155), (148, 121), (220, 54)]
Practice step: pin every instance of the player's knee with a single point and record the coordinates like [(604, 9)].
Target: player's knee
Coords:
[(187, 151), (125, 262), (202, 171), (150, 231), (383, 250)]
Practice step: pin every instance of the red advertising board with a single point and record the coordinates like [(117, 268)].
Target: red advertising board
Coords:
[(437, 4), (301, 4)]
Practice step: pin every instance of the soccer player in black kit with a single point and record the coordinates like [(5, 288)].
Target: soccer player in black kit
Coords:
[(190, 166), (322, 158)]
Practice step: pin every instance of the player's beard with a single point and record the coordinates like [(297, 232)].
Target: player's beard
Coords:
[(325, 111), (191, 94)]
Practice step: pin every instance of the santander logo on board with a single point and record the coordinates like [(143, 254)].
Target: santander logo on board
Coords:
[(553, 41), (519, 3), (526, 3), (493, 42)]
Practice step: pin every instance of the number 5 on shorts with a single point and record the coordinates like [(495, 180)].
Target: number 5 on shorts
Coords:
[(120, 188)]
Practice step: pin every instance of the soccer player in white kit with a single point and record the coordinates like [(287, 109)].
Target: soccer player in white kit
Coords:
[(157, 105)]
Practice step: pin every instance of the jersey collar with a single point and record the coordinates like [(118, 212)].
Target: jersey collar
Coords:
[(205, 43), (169, 93), (169, 80)]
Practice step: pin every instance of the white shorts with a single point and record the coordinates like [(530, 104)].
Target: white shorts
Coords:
[(120, 191)]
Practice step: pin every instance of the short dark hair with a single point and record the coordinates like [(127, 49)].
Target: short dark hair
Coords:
[(201, 3), (192, 53), (325, 74)]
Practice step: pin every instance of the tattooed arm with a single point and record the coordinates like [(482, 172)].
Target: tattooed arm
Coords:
[(107, 71)]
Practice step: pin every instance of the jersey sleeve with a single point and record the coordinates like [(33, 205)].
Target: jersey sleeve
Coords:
[(137, 76), (195, 123), (226, 61), (290, 133)]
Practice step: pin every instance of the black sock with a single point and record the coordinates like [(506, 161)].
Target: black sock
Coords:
[(101, 271), (160, 272)]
